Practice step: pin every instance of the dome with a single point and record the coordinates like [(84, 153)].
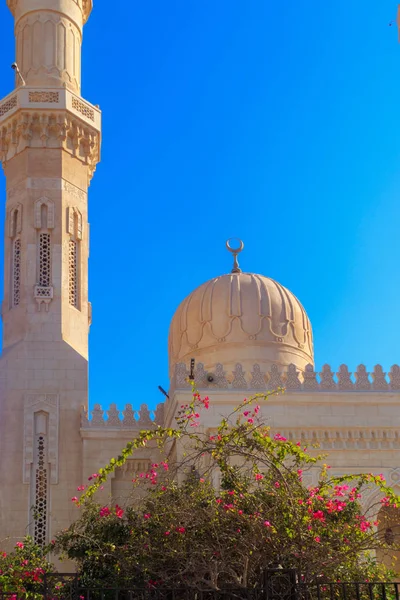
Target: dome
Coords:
[(241, 318)]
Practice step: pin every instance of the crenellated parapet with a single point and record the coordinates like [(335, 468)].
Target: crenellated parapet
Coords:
[(291, 379), (128, 418)]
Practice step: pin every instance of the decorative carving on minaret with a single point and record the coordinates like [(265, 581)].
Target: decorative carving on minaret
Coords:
[(74, 222), (15, 220), (45, 129), (44, 221)]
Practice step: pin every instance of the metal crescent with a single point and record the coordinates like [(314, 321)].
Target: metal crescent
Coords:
[(233, 250)]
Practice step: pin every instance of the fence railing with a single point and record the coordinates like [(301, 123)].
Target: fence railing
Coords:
[(276, 585)]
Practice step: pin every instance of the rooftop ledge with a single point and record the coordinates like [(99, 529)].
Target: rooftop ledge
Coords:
[(28, 98)]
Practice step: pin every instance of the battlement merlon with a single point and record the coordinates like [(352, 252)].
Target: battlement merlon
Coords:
[(289, 378), (48, 41)]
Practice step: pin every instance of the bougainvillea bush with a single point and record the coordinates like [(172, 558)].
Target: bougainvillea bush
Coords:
[(22, 571), (233, 506)]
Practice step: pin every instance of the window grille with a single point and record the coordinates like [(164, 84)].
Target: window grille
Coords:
[(44, 260), (73, 273), (40, 513), (16, 272)]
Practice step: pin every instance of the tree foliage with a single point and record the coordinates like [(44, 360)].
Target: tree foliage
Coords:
[(22, 571), (188, 531)]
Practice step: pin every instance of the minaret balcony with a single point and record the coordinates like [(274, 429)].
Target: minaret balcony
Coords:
[(56, 99), (50, 118)]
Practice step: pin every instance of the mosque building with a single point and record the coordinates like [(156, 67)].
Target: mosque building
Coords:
[(245, 332)]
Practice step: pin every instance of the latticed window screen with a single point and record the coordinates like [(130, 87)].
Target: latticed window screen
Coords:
[(41, 484), (16, 272), (73, 273), (44, 260)]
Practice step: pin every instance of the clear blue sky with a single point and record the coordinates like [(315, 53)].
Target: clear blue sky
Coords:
[(274, 121)]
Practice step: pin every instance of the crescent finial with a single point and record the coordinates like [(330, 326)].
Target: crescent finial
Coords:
[(235, 249)]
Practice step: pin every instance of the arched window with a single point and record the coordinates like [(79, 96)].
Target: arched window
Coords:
[(389, 536), (389, 533)]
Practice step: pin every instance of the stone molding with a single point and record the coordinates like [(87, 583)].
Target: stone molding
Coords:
[(346, 439), (85, 6), (47, 183), (128, 418), (34, 403), (291, 379)]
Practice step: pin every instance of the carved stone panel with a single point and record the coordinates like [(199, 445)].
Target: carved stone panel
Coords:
[(38, 213)]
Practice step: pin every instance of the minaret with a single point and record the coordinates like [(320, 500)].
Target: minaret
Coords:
[(49, 148)]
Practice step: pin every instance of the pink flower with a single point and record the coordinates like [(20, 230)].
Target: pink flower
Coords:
[(105, 511), (251, 421), (167, 533), (279, 438), (81, 488), (246, 413), (277, 484), (180, 529), (165, 466), (119, 511), (257, 410), (319, 515), (146, 516), (267, 524), (74, 499), (258, 476), (317, 539), (19, 545)]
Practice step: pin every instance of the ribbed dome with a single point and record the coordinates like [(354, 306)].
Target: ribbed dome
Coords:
[(241, 318)]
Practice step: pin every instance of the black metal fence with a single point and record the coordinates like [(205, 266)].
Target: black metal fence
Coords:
[(276, 585)]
